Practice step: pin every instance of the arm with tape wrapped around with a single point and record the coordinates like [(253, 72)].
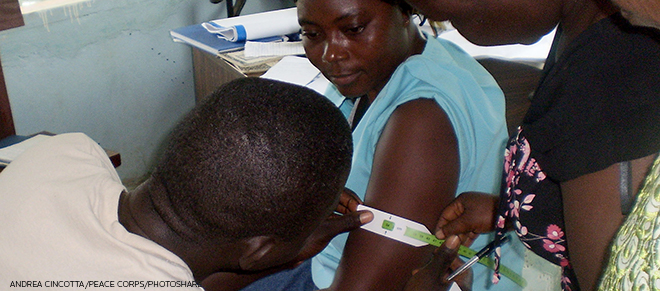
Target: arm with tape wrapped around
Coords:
[(414, 175)]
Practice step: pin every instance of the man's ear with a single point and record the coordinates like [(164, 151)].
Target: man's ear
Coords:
[(256, 252)]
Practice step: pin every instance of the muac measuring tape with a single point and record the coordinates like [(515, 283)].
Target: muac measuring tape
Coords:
[(416, 234), (468, 253)]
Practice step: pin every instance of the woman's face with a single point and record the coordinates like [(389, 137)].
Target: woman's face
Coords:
[(641, 12), (356, 44)]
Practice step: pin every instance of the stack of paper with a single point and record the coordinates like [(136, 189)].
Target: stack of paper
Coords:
[(262, 49), (231, 34), (249, 65), (255, 26), (299, 71)]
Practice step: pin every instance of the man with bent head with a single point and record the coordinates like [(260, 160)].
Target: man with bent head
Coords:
[(243, 185)]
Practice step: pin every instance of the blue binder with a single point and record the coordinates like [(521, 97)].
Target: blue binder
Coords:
[(197, 36)]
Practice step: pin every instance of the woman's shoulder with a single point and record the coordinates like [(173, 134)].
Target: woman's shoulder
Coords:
[(443, 66), (612, 49)]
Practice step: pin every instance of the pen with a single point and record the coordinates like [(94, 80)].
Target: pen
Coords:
[(482, 253)]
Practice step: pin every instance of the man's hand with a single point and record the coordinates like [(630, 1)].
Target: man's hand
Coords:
[(470, 214), (335, 224), (432, 277)]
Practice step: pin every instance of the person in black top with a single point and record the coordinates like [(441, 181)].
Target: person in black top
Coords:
[(597, 106)]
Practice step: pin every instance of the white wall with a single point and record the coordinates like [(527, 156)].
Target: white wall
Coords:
[(108, 68)]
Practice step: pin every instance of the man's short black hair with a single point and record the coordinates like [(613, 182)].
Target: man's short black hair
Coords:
[(256, 157)]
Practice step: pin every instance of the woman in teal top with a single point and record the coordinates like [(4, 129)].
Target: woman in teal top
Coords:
[(474, 105), (428, 124), (435, 127)]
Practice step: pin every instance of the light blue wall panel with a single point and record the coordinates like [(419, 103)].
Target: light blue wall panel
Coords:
[(108, 68)]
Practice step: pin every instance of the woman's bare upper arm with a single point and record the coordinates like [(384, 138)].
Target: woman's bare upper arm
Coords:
[(592, 214), (414, 175)]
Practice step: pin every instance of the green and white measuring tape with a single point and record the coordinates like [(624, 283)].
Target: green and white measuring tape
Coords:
[(416, 234), (468, 253)]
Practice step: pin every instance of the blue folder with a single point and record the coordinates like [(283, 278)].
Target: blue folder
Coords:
[(197, 36)]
